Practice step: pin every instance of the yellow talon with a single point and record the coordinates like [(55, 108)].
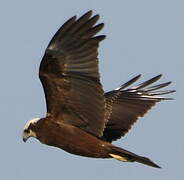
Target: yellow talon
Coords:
[(119, 158)]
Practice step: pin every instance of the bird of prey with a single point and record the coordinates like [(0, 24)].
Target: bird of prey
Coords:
[(81, 119)]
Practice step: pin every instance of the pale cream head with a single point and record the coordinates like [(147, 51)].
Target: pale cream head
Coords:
[(27, 132)]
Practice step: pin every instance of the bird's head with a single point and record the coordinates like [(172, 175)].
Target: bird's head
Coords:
[(29, 129)]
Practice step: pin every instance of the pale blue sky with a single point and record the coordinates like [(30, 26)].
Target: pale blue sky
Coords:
[(143, 36)]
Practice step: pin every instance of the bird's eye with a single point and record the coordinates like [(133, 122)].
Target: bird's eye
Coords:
[(26, 130)]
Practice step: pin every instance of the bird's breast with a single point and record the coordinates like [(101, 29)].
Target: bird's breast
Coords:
[(76, 141)]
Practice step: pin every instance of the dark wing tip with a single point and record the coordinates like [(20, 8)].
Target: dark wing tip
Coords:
[(131, 81), (62, 29), (82, 26), (146, 90), (88, 13), (148, 82), (99, 38), (152, 164), (126, 104), (72, 19), (146, 161)]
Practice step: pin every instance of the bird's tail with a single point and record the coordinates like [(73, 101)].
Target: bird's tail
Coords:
[(126, 156)]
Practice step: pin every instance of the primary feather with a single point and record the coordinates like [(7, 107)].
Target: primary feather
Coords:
[(81, 119), (69, 69), (125, 105)]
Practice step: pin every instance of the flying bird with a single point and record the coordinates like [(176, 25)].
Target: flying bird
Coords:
[(81, 119)]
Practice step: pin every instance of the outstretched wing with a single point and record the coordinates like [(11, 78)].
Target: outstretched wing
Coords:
[(70, 77), (125, 106)]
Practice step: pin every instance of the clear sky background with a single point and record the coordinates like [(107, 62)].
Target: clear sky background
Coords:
[(143, 36)]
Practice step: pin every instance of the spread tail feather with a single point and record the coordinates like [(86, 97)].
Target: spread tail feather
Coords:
[(126, 156)]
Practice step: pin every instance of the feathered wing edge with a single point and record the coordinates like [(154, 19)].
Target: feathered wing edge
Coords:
[(69, 69), (144, 90), (148, 91), (125, 105)]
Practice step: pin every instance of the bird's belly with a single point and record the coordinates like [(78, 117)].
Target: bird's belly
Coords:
[(76, 141)]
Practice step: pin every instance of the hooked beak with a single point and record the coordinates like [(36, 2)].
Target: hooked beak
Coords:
[(25, 136)]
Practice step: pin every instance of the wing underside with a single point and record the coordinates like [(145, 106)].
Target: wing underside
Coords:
[(70, 76), (125, 105)]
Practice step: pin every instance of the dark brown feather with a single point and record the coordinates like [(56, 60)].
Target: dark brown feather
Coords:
[(125, 106), (70, 77), (77, 108)]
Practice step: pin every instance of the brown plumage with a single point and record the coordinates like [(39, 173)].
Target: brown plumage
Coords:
[(81, 118)]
